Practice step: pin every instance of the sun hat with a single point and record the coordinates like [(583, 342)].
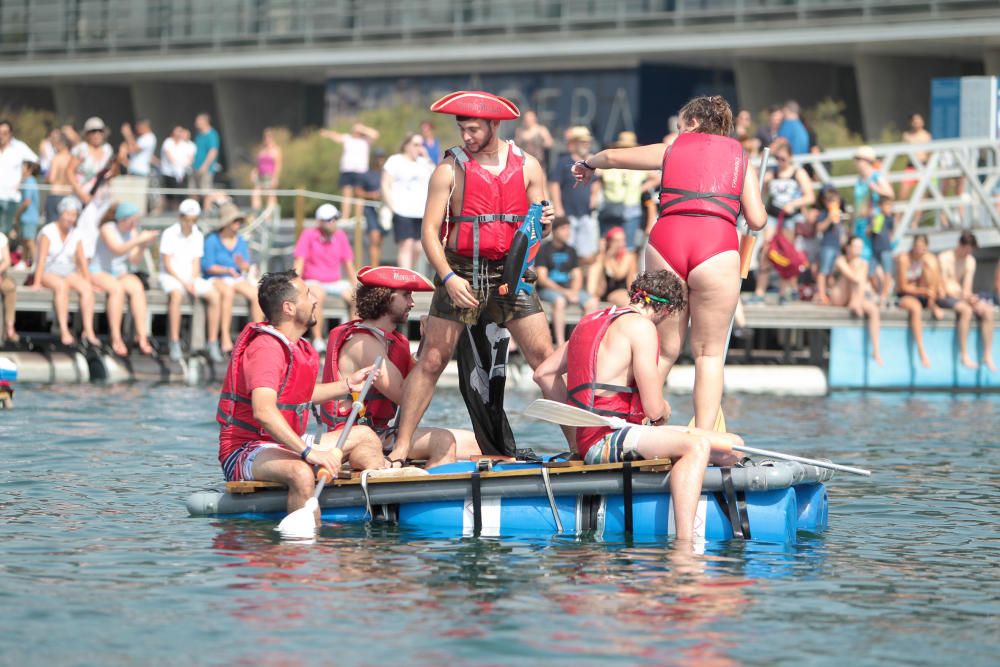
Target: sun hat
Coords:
[(579, 133), (626, 139), (125, 209), (866, 153), (189, 208), (228, 214), (94, 124)]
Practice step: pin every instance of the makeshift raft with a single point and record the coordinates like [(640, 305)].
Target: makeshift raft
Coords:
[(769, 501)]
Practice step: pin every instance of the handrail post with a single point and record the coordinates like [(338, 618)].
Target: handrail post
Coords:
[(300, 212)]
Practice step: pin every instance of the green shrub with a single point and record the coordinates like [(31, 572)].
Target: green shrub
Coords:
[(30, 125)]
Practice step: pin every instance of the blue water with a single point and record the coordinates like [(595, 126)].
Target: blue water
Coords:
[(100, 564)]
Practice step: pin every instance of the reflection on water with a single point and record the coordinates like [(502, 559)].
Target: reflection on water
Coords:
[(101, 565)]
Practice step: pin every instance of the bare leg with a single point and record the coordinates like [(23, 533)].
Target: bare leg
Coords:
[(406, 254), (86, 292), (174, 300), (225, 314), (60, 299), (137, 305), (437, 445), (874, 327), (440, 338), (984, 311), (320, 294), (559, 320), (375, 247), (531, 334), (212, 316), (362, 448), (249, 292), (115, 307), (963, 312), (285, 467), (690, 453), (713, 291), (9, 290), (673, 329), (916, 310)]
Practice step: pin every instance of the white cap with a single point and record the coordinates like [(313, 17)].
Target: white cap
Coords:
[(189, 208), (327, 212), (94, 124), (69, 203)]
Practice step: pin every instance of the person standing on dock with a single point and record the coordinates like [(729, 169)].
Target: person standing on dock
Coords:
[(958, 271), (706, 184), (478, 196), (610, 364), (384, 301), (266, 394)]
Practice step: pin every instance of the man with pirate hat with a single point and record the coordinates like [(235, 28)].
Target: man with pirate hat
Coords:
[(384, 300), (478, 197)]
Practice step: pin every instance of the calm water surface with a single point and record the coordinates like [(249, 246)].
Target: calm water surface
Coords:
[(100, 564)]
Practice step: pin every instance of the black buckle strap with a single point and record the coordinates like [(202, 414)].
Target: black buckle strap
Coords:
[(690, 195), (734, 503), (477, 503), (627, 495)]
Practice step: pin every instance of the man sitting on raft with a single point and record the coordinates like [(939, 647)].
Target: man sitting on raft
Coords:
[(610, 362), (268, 389), (384, 300)]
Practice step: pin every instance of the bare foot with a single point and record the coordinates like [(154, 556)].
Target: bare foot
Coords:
[(92, 339), (67, 339), (144, 345), (924, 360), (969, 363), (989, 364), (12, 336), (878, 358), (937, 313), (823, 299), (226, 346), (118, 347)]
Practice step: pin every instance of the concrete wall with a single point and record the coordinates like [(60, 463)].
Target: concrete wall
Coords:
[(246, 107), (76, 102), (170, 103)]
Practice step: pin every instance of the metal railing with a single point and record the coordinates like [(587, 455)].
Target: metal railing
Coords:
[(63, 27), (951, 183)]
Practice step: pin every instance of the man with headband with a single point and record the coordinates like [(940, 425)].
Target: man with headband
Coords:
[(478, 197), (610, 363), (384, 299)]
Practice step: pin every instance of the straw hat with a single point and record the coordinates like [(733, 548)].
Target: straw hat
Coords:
[(578, 133), (866, 153), (228, 214), (626, 140), (94, 124)]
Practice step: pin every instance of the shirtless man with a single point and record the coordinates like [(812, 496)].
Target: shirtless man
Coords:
[(384, 301), (958, 269), (483, 190), (917, 280), (611, 362), (58, 177), (851, 272)]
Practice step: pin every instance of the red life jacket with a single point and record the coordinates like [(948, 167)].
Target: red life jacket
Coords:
[(581, 378), (235, 412), (493, 207), (379, 410), (703, 175)]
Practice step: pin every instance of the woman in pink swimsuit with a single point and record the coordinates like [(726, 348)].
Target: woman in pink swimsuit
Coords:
[(706, 184), (268, 169)]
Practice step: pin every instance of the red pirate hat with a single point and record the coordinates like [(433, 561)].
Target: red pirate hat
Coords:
[(476, 104), (394, 277)]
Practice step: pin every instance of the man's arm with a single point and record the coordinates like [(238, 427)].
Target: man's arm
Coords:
[(553, 368), (438, 193), (882, 186), (967, 279), (642, 339), (359, 352), (536, 189), (265, 411), (903, 283)]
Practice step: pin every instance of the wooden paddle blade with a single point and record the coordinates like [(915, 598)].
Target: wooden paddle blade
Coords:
[(720, 423), (568, 415)]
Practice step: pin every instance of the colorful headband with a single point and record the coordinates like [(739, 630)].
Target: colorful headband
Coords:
[(647, 297)]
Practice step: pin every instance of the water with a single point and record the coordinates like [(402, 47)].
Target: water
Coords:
[(100, 564)]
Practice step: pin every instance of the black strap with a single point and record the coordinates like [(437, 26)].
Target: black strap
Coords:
[(689, 195), (477, 504), (627, 495), (734, 503)]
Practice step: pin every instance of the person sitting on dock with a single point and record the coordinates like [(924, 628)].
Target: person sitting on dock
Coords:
[(958, 270), (62, 266), (266, 394), (384, 301), (917, 288), (182, 246), (851, 287), (8, 292), (610, 362)]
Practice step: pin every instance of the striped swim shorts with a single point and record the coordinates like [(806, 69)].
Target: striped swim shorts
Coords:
[(617, 446)]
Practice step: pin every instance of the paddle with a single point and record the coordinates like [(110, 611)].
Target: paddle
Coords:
[(568, 415), (746, 254), (301, 524)]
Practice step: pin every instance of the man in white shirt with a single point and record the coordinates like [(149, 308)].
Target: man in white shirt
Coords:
[(141, 147), (13, 153), (181, 248), (176, 160)]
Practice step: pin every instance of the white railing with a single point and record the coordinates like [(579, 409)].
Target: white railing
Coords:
[(970, 167)]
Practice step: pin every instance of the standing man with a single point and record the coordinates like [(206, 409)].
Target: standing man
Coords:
[(611, 363), (353, 162), (206, 156), (576, 203), (370, 190), (266, 394), (480, 192), (431, 143), (385, 299), (141, 147), (176, 160), (13, 154), (792, 129), (958, 270)]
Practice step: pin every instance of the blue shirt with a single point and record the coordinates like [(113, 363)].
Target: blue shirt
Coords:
[(203, 143), (797, 135), (559, 261), (433, 150), (29, 190), (216, 254), (575, 200)]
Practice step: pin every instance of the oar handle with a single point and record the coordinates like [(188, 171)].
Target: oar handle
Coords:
[(750, 239), (359, 402)]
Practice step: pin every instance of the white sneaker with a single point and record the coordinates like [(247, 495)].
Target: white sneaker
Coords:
[(215, 352), (175, 351), (320, 345)]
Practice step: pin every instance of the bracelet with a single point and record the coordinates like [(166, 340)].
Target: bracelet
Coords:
[(449, 276), (587, 165), (305, 452)]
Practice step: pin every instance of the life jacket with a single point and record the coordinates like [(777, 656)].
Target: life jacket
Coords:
[(235, 412), (379, 411), (493, 206), (581, 378), (703, 175)]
